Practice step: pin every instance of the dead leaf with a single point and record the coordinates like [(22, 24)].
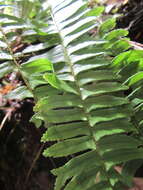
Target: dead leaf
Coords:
[(7, 88)]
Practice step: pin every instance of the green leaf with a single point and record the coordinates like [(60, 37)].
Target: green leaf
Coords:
[(36, 80), (104, 101), (75, 167), (116, 142), (64, 131), (65, 115), (55, 82), (116, 34), (58, 101), (85, 180), (118, 46), (37, 120), (113, 127), (37, 66), (45, 90), (128, 57), (68, 147), (135, 78), (119, 59), (55, 55), (101, 88), (107, 25), (123, 155), (109, 114), (91, 76), (52, 79), (97, 11)]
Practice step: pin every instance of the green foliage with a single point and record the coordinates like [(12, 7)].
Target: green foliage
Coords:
[(23, 39), (79, 90), (89, 114)]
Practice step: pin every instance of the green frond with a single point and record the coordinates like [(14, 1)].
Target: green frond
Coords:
[(129, 65), (86, 113), (78, 95)]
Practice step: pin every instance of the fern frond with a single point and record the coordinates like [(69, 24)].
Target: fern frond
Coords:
[(129, 65), (17, 56), (88, 114)]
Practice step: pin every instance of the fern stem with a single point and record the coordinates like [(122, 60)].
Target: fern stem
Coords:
[(15, 61), (69, 62)]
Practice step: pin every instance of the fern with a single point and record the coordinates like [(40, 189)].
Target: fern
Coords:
[(129, 64), (22, 43), (80, 98), (86, 112)]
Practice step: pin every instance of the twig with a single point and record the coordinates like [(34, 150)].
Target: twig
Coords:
[(5, 118), (33, 164)]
